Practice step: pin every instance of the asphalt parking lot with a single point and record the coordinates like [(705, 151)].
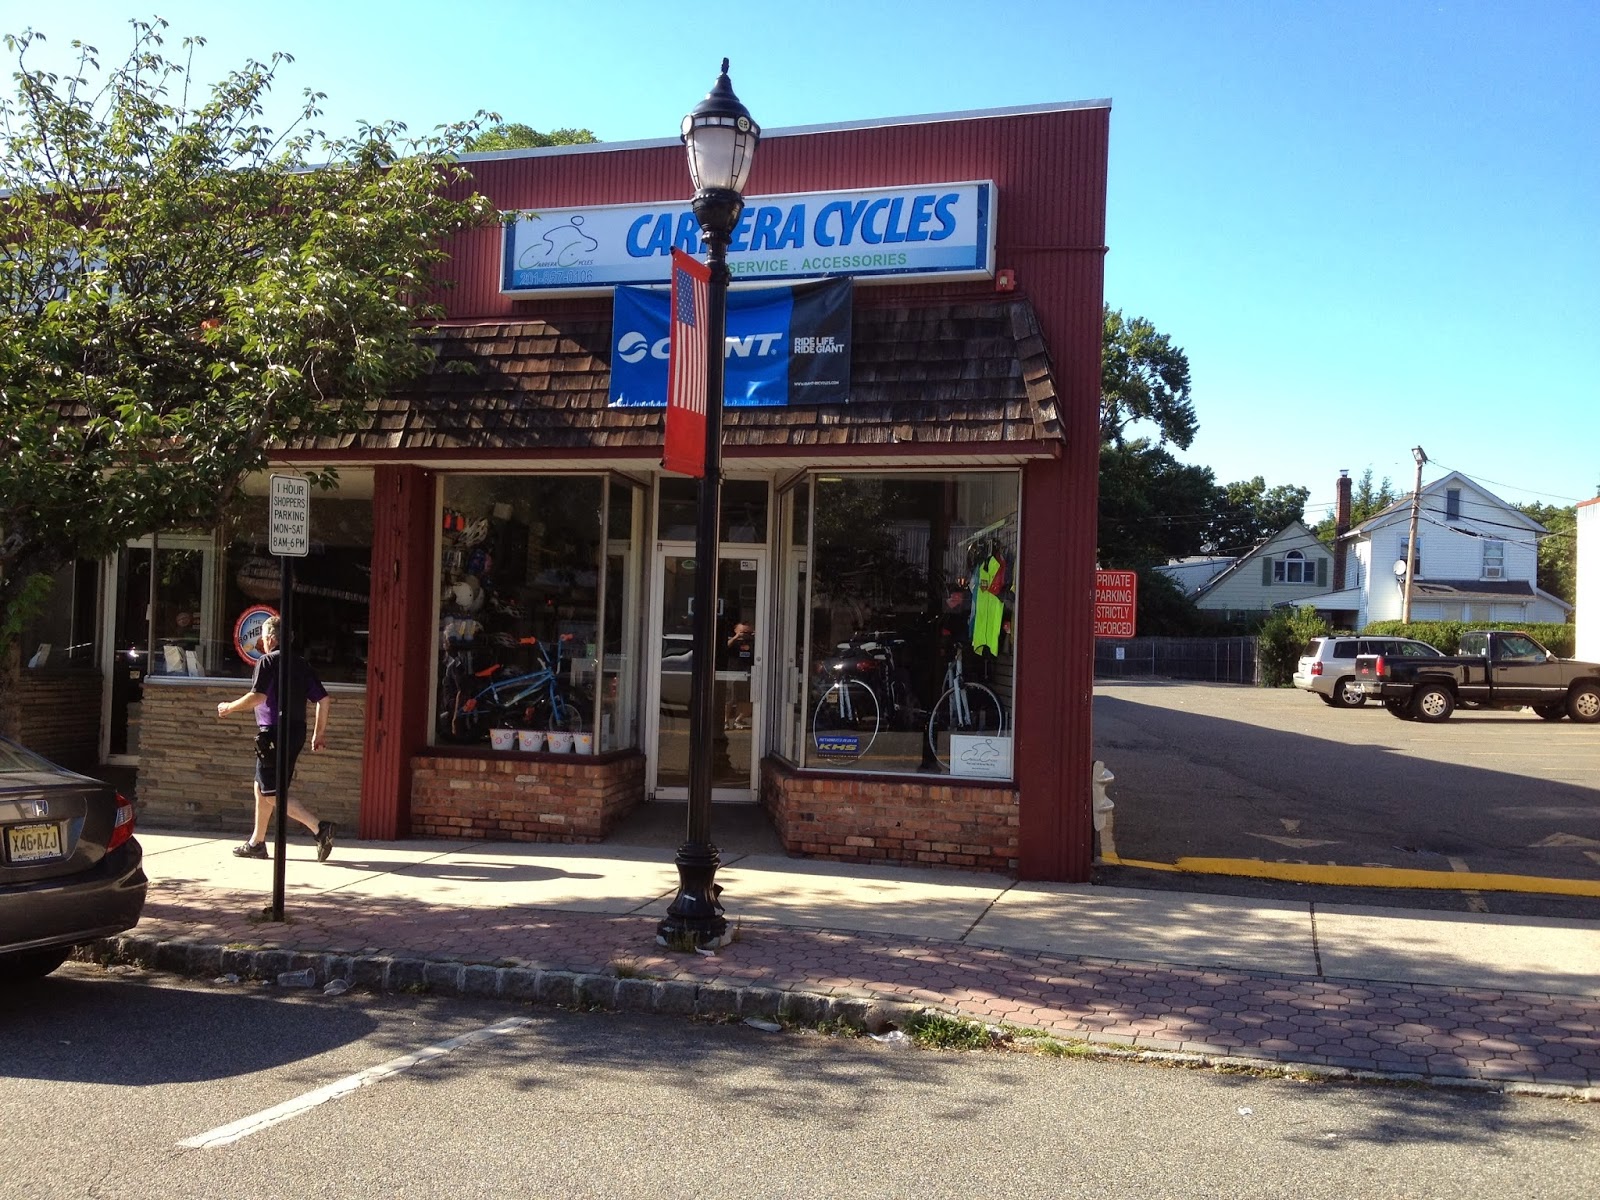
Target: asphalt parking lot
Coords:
[(1216, 771)]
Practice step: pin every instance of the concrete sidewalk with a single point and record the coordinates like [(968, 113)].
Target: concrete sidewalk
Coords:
[(1435, 995)]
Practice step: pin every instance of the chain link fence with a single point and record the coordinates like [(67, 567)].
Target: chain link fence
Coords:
[(1206, 660)]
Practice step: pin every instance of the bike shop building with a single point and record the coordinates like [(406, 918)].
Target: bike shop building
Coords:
[(499, 590)]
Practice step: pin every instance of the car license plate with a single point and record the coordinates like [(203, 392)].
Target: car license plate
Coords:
[(27, 843)]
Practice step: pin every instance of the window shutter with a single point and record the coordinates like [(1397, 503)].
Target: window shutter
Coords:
[(1266, 572), (1322, 572)]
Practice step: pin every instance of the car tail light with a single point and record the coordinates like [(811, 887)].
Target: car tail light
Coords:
[(1316, 668), (1380, 668), (122, 829)]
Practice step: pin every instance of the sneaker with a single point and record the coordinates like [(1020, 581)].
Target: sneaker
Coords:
[(251, 850), (325, 832)]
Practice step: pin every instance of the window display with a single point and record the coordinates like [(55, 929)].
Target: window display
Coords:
[(519, 609), (332, 585), (913, 584)]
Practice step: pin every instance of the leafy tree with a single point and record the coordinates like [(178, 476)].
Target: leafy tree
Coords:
[(1152, 507), (516, 136), (1558, 553), (1143, 378), (178, 290), (1280, 642), (1247, 512)]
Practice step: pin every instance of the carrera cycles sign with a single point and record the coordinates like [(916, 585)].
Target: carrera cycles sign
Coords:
[(940, 230)]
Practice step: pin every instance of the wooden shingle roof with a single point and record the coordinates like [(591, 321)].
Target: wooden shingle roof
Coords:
[(941, 373)]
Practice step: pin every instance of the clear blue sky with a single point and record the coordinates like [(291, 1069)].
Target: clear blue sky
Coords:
[(1371, 225)]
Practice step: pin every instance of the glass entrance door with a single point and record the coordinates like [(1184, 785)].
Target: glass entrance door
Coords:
[(737, 725)]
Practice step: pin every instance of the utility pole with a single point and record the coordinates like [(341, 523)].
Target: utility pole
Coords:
[(1411, 543)]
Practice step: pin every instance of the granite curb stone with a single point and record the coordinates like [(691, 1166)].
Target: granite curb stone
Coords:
[(386, 973)]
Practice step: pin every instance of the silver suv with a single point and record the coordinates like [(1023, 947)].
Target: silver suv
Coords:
[(1329, 663)]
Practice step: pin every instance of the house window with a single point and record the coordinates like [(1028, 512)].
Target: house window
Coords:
[(1494, 559), (1452, 504), (1294, 567), (1404, 546)]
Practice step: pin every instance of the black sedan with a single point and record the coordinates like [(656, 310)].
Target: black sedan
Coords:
[(70, 869)]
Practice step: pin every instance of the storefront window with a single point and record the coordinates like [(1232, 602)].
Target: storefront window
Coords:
[(744, 510), (64, 632), (332, 586), (913, 582), (519, 612)]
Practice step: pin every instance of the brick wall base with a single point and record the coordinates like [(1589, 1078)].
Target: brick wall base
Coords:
[(523, 797), (58, 715), (845, 818), (196, 772)]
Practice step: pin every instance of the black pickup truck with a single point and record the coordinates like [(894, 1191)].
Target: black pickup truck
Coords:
[(1492, 669)]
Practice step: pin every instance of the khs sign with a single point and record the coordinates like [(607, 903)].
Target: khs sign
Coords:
[(1116, 595)]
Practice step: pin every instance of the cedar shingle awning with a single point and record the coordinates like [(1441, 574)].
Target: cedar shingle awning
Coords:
[(950, 373)]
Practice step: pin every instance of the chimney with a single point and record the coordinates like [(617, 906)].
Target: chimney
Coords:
[(1341, 526)]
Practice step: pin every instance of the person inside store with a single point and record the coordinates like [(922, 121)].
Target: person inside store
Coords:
[(739, 654), (304, 688)]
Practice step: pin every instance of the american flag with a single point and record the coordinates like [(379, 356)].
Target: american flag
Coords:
[(685, 450)]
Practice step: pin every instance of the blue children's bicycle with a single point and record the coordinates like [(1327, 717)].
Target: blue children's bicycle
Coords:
[(478, 701)]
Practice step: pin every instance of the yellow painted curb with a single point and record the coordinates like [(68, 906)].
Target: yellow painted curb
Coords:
[(1374, 877)]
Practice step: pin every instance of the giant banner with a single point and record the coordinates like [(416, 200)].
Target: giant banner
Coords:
[(933, 230), (785, 345)]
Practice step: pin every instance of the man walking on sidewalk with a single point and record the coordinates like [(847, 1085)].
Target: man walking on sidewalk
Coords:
[(263, 697)]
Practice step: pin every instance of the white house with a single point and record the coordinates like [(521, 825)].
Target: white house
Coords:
[(1477, 559), (1587, 611), (1285, 570)]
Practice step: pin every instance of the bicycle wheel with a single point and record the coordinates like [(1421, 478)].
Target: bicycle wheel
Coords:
[(566, 716), (970, 710), (845, 722)]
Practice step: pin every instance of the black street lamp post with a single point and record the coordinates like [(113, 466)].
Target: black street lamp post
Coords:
[(721, 141)]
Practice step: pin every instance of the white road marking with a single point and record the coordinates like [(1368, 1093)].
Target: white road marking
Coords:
[(1289, 826), (1475, 901), (226, 1135), (1295, 843), (1563, 839)]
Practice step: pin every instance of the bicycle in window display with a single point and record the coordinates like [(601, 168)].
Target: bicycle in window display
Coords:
[(864, 690), (527, 699), (965, 708)]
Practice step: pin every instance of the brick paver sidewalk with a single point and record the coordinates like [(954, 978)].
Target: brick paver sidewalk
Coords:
[(1431, 1031)]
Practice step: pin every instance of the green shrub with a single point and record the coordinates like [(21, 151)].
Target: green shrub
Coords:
[(1445, 636), (1282, 638)]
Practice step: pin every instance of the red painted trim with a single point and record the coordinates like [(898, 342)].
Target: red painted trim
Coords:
[(399, 646), (961, 452)]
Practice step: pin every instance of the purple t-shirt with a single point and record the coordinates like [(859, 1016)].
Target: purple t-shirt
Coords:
[(303, 686)]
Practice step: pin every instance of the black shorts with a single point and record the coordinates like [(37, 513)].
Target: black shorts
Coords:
[(267, 768)]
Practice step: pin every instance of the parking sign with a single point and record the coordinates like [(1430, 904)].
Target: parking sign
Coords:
[(289, 517)]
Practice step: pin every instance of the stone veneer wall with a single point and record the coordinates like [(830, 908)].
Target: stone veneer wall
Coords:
[(518, 797), (849, 818), (58, 715), (195, 771)]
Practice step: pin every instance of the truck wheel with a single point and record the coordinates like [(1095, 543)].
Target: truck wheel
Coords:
[(1433, 702), (1583, 703), (1550, 712), (1401, 709), (1348, 694)]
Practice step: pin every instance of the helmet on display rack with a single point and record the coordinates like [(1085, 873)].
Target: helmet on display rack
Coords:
[(467, 594), (475, 533)]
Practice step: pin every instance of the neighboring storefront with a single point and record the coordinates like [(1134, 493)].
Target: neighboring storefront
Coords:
[(499, 591)]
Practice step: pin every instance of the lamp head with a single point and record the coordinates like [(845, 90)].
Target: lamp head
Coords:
[(721, 139)]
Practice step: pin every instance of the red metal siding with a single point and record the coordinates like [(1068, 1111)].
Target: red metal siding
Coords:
[(1050, 171), (399, 646)]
